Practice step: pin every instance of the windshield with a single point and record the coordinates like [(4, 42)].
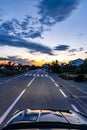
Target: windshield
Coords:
[(43, 57)]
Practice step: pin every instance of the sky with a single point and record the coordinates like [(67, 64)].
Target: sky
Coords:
[(40, 31)]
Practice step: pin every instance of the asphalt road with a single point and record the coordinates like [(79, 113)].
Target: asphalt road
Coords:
[(38, 90)]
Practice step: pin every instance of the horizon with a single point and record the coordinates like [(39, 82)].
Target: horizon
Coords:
[(5, 62)]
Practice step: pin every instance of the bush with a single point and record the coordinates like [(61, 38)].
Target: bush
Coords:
[(67, 77), (79, 78)]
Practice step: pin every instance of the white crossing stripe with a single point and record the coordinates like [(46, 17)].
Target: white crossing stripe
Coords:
[(30, 74), (46, 75), (26, 74), (34, 74), (38, 75)]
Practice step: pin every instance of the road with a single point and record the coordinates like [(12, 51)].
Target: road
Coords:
[(37, 89)]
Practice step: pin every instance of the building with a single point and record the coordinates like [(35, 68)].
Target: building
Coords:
[(76, 62)]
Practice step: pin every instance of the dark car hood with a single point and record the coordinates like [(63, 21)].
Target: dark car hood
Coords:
[(29, 115)]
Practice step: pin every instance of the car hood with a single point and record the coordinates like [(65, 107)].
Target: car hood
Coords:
[(29, 115)]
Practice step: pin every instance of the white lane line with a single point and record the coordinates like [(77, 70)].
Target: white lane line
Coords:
[(74, 107), (17, 76), (8, 80), (52, 79), (56, 85), (31, 82), (63, 93), (11, 107)]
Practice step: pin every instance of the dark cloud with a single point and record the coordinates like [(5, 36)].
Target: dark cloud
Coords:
[(2, 59), (72, 50), (61, 47), (81, 34), (53, 11), (28, 28), (81, 49), (16, 59), (86, 52), (15, 42), (76, 50), (72, 55)]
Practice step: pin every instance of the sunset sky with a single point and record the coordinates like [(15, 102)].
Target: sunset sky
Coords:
[(40, 31)]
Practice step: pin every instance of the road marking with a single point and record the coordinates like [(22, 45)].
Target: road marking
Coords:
[(52, 79), (26, 74), (63, 93), (8, 80), (34, 74), (31, 82), (11, 107), (56, 85), (42, 75), (74, 107), (30, 74), (17, 76)]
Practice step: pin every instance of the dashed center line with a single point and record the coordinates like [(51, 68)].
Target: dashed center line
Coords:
[(56, 85), (52, 79), (63, 93), (31, 82), (74, 107)]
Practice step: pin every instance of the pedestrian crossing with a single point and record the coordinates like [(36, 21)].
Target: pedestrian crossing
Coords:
[(36, 75)]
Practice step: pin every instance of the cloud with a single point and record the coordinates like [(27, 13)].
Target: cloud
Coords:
[(81, 49), (72, 55), (19, 60), (76, 50), (81, 34), (53, 11), (16, 42), (2, 58), (16, 59), (28, 28), (86, 52), (61, 47), (72, 50)]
